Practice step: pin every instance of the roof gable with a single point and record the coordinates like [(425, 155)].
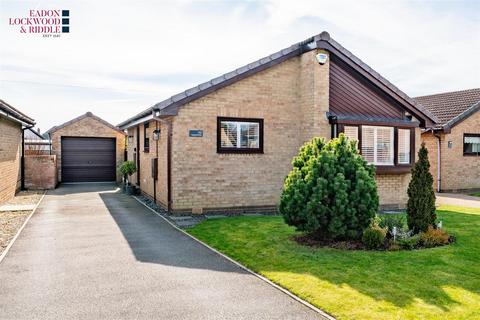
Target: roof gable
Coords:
[(169, 107), (83, 116)]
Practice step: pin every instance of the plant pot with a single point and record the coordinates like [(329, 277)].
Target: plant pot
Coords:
[(130, 190)]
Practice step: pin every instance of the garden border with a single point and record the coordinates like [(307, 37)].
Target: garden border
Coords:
[(238, 264), (10, 244)]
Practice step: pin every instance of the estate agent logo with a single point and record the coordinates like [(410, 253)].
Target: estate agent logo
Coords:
[(50, 23)]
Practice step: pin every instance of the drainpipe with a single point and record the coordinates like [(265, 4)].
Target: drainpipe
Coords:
[(439, 159), (22, 160)]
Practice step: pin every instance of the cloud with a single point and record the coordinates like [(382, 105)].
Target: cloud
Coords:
[(122, 57)]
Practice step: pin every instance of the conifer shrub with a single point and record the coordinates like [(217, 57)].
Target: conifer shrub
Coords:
[(374, 236), (421, 197), (331, 190)]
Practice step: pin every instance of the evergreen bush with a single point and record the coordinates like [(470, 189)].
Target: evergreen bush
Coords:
[(331, 190), (421, 197)]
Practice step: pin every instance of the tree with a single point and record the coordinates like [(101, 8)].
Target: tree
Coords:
[(421, 197), (331, 190)]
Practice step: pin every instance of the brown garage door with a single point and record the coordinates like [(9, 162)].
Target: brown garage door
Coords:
[(88, 159)]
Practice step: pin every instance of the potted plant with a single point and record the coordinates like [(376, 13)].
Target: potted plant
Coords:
[(127, 169)]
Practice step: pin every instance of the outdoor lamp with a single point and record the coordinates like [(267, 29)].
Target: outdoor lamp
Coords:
[(156, 134), (130, 139)]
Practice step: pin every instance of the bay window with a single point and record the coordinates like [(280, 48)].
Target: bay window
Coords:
[(238, 135), (384, 146)]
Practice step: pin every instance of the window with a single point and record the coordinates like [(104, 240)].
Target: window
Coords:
[(236, 135), (377, 145), (403, 146), (471, 144), (146, 138), (351, 132)]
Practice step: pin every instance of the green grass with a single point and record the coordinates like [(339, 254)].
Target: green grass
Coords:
[(475, 194), (439, 283)]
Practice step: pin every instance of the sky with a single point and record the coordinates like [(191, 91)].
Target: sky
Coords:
[(122, 57)]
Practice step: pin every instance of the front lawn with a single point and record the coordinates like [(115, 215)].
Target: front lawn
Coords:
[(439, 283), (475, 194)]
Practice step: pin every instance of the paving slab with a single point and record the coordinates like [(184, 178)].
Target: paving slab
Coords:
[(457, 199), (92, 252)]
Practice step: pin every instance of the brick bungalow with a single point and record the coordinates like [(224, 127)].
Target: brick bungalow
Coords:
[(454, 141), (227, 144), (12, 123), (88, 149)]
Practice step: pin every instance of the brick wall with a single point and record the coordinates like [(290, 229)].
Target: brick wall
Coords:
[(10, 152), (40, 172), (458, 172), (292, 98), (87, 127), (146, 180)]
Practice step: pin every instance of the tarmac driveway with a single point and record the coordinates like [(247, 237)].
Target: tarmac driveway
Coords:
[(92, 252)]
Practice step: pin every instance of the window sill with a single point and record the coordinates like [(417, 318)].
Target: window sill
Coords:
[(240, 151), (471, 154), (406, 168)]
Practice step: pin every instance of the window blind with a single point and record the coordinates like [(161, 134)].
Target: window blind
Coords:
[(403, 146), (240, 134), (351, 132), (377, 145)]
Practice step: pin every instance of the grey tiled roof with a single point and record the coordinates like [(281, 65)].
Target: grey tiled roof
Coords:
[(170, 105), (449, 105)]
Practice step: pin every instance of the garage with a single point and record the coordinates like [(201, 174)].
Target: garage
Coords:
[(87, 159), (88, 149)]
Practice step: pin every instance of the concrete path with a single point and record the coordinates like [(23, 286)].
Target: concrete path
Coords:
[(457, 199), (90, 252)]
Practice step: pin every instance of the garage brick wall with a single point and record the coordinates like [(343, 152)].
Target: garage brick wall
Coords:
[(458, 172), (10, 153), (87, 126)]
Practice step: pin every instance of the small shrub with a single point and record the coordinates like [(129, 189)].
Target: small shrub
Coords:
[(331, 191), (409, 243), (374, 236), (434, 237), (127, 169), (393, 220), (394, 247)]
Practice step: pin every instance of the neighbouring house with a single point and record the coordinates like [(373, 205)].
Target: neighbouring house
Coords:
[(35, 142), (12, 124), (454, 142), (227, 144), (88, 149)]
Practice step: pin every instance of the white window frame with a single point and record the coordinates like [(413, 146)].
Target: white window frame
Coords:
[(375, 149)]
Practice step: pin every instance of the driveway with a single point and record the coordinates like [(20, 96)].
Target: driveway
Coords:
[(92, 252), (458, 199)]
